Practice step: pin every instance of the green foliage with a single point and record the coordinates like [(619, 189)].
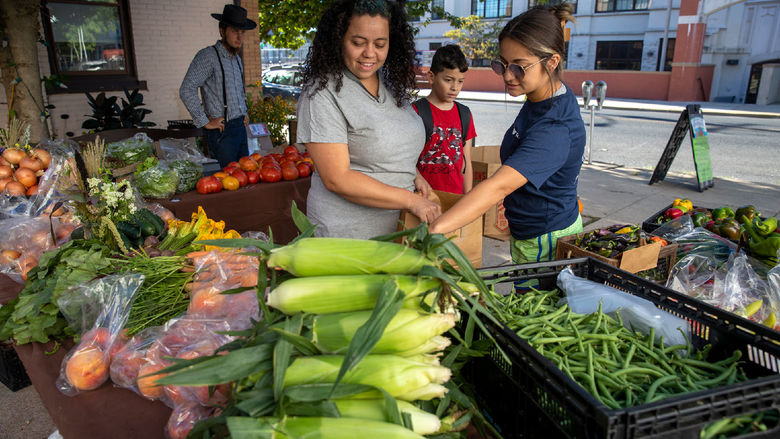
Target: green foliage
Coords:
[(274, 112), (288, 23), (107, 115), (477, 39)]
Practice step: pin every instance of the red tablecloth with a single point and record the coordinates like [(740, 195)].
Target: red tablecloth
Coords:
[(256, 207), (107, 412)]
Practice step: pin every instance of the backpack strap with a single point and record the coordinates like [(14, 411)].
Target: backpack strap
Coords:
[(424, 111), (465, 120)]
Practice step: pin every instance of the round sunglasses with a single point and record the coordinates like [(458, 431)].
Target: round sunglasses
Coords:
[(517, 70)]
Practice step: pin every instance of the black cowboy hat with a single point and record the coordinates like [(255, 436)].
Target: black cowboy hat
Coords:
[(235, 16)]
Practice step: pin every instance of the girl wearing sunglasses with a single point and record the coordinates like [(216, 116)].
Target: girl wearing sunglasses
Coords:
[(542, 151)]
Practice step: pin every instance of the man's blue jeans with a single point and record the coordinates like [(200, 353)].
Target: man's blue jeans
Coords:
[(229, 145)]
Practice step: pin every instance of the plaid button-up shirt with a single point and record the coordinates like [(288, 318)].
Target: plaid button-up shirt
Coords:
[(204, 74)]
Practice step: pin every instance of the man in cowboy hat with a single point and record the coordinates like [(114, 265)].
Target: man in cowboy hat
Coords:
[(219, 74)]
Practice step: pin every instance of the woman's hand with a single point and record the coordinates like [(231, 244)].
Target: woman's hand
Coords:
[(425, 209), (422, 186)]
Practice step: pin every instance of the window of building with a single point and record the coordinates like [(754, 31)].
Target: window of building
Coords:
[(90, 44), (621, 5), (533, 3), (669, 54), (618, 55), (491, 8), (435, 6), (433, 46)]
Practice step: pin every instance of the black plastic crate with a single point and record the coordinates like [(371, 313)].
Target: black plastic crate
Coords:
[(12, 373), (530, 397), (649, 225)]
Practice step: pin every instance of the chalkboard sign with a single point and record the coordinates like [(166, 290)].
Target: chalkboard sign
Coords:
[(691, 121)]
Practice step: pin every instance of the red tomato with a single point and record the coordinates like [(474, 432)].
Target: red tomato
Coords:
[(207, 185), (256, 156), (290, 172), (271, 175), (287, 164), (247, 164), (240, 175), (229, 168), (293, 157), (253, 177), (303, 169)]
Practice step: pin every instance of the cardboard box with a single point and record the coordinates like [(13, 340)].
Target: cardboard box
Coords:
[(641, 258), (468, 238), (485, 160)]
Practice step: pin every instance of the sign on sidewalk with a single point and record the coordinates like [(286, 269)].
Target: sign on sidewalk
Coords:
[(691, 121)]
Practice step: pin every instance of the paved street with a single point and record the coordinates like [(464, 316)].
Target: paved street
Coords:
[(741, 147)]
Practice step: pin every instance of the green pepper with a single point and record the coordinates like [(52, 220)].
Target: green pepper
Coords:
[(729, 228), (762, 246), (722, 212), (700, 219), (765, 227), (748, 212)]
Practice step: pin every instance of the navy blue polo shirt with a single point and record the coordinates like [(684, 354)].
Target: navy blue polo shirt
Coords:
[(546, 144)]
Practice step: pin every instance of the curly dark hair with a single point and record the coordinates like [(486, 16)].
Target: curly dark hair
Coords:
[(325, 59)]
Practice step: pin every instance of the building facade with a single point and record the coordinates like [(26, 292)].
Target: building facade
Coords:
[(734, 47)]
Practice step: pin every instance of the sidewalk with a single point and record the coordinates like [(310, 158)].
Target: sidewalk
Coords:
[(720, 108)]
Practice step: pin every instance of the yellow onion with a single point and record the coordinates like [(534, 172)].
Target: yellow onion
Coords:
[(6, 171), (42, 155), (5, 181), (32, 190), (26, 176), (14, 155), (31, 163), (14, 188)]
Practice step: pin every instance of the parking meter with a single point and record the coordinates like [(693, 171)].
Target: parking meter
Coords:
[(587, 93), (601, 93)]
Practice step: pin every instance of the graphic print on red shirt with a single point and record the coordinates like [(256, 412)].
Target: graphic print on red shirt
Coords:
[(441, 160)]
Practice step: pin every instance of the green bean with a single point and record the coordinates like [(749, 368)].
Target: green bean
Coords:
[(654, 387)]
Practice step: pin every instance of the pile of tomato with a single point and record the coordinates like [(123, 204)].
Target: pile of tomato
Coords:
[(257, 168)]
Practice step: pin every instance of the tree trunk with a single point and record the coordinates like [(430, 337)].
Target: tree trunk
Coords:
[(20, 24)]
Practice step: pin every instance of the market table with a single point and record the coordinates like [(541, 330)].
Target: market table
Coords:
[(107, 412), (255, 207)]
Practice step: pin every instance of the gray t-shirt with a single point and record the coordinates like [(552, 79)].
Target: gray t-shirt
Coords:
[(384, 143)]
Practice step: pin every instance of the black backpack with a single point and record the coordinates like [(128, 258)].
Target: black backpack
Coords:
[(424, 111)]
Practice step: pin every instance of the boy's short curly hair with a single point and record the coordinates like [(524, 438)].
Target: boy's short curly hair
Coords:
[(325, 60), (449, 57)]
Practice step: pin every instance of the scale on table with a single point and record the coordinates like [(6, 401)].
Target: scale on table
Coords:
[(259, 138)]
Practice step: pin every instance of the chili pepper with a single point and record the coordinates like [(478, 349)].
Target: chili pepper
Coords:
[(729, 228), (684, 203), (699, 219), (765, 227), (722, 212), (762, 246), (658, 239), (748, 212), (673, 213)]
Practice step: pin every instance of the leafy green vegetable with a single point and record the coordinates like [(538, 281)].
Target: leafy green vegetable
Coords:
[(148, 163), (34, 315), (157, 182), (189, 173), (131, 150)]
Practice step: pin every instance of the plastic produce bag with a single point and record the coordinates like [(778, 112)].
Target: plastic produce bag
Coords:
[(585, 297), (186, 337), (86, 366), (734, 286), (184, 417), (189, 173), (159, 181), (131, 356), (216, 272), (181, 149), (25, 239), (131, 150)]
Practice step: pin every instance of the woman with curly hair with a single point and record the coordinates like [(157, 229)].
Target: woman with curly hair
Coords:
[(355, 118)]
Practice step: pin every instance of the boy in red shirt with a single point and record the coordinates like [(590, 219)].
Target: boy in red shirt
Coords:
[(445, 161)]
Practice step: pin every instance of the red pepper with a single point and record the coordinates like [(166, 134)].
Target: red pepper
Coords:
[(673, 213)]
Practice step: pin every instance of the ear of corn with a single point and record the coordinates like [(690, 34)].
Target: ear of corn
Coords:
[(333, 294), (329, 256), (401, 377), (374, 409), (319, 428), (409, 331)]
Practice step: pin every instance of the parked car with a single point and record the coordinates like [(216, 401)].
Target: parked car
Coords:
[(285, 82)]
